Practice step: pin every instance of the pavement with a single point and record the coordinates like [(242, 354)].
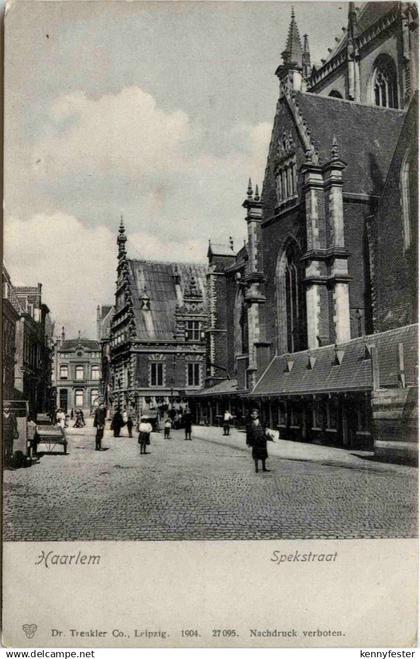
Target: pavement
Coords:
[(206, 489)]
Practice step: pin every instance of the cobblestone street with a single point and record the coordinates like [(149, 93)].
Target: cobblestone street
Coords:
[(205, 489)]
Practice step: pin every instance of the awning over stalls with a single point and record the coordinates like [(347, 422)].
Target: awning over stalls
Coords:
[(343, 368), (225, 387)]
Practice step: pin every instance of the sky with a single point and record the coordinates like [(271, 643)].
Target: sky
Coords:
[(157, 111)]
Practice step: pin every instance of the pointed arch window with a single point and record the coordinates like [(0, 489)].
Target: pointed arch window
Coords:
[(293, 300), (291, 311), (385, 83), (286, 181)]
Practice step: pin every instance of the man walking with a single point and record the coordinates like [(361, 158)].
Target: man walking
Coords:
[(227, 418), (99, 424)]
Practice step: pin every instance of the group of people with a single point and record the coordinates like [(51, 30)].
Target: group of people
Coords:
[(62, 419), (121, 419), (257, 434), (127, 417)]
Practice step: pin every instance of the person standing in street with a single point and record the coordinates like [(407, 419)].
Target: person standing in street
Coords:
[(187, 423), (130, 422), (167, 428), (32, 436), (117, 422), (99, 424), (10, 433), (61, 418), (227, 418), (257, 439), (145, 429)]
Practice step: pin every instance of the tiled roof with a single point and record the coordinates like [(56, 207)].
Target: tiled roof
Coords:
[(354, 373), (224, 387), (71, 344), (158, 279), (366, 137), (11, 291), (219, 249)]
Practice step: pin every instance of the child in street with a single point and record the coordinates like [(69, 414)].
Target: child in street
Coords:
[(145, 429), (167, 429)]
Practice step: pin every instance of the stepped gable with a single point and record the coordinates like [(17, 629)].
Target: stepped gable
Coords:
[(157, 281)]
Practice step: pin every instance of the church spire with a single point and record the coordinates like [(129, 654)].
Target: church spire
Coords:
[(292, 54), (306, 57), (296, 60)]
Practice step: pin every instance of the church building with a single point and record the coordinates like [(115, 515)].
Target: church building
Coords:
[(315, 317)]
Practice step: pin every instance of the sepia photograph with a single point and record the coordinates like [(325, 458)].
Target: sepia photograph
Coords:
[(153, 295), (210, 274)]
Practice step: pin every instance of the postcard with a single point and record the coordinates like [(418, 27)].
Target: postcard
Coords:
[(210, 324)]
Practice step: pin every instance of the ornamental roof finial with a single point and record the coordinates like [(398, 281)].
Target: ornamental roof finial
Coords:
[(249, 190), (334, 149)]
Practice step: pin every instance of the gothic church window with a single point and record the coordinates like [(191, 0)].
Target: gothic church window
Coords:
[(294, 296), (291, 304), (285, 167), (385, 83), (286, 182)]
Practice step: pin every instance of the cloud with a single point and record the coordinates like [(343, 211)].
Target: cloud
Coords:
[(97, 157), (124, 132), (77, 264)]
